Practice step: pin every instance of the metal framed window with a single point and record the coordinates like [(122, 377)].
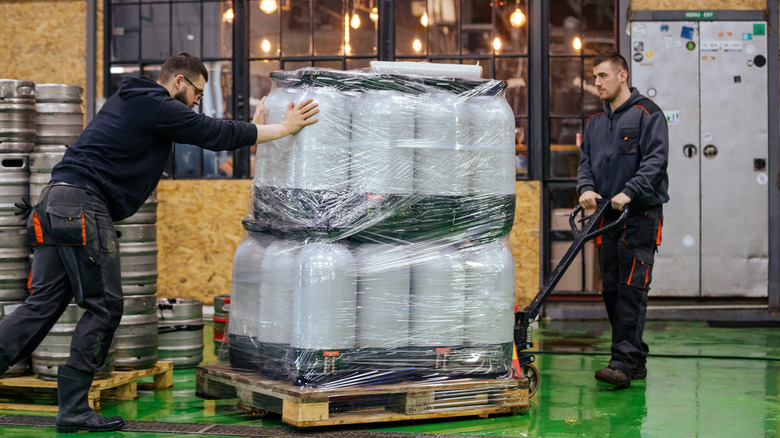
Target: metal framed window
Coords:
[(243, 41), (140, 35), (577, 31)]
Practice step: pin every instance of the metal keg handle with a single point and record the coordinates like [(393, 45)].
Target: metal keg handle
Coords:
[(162, 307)]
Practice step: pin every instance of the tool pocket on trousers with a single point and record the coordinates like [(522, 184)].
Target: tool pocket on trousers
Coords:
[(643, 228), (34, 230), (68, 226), (640, 269), (629, 140)]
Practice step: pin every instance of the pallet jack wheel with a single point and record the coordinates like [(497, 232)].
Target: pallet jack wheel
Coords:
[(532, 374)]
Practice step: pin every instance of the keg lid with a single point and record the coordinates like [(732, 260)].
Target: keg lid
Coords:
[(15, 89), (58, 93)]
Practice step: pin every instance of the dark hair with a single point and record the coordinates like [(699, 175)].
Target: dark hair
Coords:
[(612, 57), (183, 63)]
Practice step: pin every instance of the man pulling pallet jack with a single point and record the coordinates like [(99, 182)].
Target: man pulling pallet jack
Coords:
[(623, 158)]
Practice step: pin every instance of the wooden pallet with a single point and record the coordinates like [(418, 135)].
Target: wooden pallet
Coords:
[(120, 385), (305, 407)]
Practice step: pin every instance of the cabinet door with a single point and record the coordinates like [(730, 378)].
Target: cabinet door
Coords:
[(665, 68), (734, 146)]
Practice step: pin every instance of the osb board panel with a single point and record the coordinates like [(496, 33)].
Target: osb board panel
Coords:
[(524, 241), (46, 41), (198, 230), (684, 5)]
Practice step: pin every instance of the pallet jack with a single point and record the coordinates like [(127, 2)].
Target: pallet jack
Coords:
[(522, 332)]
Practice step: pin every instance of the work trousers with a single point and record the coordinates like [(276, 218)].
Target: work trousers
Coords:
[(626, 257), (75, 257)]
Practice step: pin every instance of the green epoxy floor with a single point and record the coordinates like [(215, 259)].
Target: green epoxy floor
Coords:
[(702, 382)]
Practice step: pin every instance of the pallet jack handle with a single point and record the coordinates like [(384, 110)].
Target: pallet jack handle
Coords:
[(588, 231)]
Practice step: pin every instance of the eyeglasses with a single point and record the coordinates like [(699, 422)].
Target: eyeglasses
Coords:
[(198, 91)]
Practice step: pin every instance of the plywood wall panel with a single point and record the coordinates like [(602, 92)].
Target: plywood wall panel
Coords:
[(524, 241), (198, 230), (695, 5)]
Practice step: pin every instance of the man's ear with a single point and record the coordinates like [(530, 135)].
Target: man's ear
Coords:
[(623, 76)]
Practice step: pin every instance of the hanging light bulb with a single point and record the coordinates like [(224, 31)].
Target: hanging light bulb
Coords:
[(266, 46), (268, 6), (227, 17), (347, 49), (374, 14), (517, 19), (497, 44), (355, 23), (424, 19), (577, 43), (417, 45)]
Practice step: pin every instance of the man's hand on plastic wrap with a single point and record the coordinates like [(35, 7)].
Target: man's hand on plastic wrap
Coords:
[(24, 208), (299, 116)]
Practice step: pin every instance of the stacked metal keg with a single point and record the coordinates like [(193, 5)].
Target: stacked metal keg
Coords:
[(17, 137), (59, 119), (136, 339), (180, 331), (221, 319)]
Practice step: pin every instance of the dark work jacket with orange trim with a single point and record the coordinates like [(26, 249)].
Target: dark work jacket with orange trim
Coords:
[(627, 151), (122, 152)]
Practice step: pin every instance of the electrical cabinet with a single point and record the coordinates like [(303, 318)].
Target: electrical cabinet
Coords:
[(710, 79)]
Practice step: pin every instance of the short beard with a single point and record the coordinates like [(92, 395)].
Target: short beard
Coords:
[(180, 96)]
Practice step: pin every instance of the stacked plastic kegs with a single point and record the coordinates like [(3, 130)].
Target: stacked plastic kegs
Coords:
[(384, 280), (304, 186), (276, 291), (220, 320), (180, 329), (243, 328), (487, 134), (137, 335), (59, 117), (324, 308), (17, 116)]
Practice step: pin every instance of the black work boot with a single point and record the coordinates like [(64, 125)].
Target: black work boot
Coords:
[(639, 373), (73, 396), (613, 377)]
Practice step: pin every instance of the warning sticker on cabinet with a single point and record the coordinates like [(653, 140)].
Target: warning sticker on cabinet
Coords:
[(672, 117), (709, 46)]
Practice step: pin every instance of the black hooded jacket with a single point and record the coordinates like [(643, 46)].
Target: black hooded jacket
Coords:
[(627, 151), (122, 152)]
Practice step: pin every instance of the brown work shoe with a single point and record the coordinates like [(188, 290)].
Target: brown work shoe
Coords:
[(613, 377)]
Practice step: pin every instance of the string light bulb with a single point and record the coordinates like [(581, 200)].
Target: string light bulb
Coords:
[(266, 46), (355, 23), (417, 45), (227, 17), (374, 14), (517, 19), (577, 43), (497, 44), (424, 19), (268, 6)]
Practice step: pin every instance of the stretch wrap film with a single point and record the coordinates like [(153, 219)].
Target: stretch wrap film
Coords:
[(376, 248)]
